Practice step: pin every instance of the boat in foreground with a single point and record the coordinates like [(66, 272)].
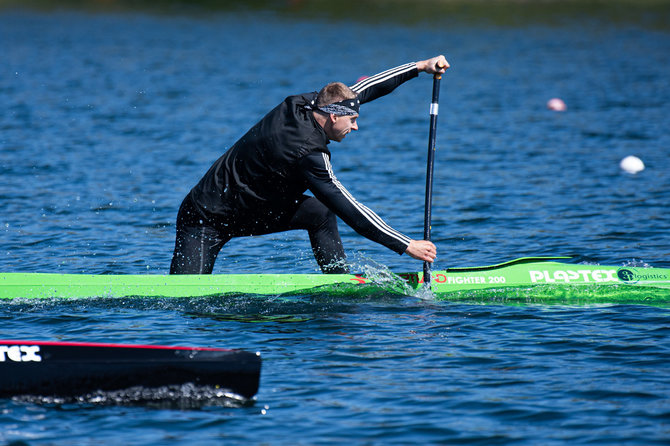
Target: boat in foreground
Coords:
[(530, 277), (69, 368)]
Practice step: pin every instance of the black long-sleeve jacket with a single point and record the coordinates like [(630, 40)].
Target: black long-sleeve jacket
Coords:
[(284, 155)]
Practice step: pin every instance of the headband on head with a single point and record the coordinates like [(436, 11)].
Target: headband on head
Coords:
[(347, 107)]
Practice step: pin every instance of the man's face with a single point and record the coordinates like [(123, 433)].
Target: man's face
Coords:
[(341, 126)]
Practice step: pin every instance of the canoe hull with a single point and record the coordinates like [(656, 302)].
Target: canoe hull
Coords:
[(525, 273)]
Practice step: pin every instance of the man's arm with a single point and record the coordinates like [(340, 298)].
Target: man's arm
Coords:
[(381, 84), (321, 180)]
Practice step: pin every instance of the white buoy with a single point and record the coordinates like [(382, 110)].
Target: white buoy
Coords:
[(556, 104), (631, 164)]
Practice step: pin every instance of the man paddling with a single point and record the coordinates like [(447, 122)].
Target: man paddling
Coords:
[(258, 186)]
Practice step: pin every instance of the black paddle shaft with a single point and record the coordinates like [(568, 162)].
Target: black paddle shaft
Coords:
[(429, 170)]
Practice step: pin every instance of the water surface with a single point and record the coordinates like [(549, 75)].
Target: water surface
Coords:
[(109, 119)]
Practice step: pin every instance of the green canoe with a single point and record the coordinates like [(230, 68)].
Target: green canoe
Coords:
[(531, 278)]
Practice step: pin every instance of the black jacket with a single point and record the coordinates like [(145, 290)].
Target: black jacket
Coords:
[(286, 154)]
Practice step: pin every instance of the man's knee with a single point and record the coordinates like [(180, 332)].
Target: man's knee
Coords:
[(321, 216)]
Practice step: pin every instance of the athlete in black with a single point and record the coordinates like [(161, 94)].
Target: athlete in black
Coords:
[(257, 187)]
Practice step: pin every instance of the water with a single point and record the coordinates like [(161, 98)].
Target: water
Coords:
[(109, 119)]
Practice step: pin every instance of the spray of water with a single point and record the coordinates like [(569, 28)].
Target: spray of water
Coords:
[(383, 277), (184, 396)]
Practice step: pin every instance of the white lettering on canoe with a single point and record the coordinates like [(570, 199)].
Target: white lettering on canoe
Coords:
[(569, 276), (20, 353), (467, 280)]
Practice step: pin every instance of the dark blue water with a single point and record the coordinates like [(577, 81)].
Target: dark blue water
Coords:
[(108, 120)]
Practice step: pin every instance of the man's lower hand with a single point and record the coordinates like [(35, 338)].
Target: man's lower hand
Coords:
[(422, 250)]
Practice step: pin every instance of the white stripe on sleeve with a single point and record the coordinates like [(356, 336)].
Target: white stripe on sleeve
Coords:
[(381, 77)]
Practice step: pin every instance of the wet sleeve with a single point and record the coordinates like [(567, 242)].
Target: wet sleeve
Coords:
[(383, 83), (321, 181)]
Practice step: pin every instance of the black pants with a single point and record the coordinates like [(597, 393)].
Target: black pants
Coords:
[(199, 239)]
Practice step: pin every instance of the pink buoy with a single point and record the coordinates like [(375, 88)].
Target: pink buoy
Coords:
[(556, 104)]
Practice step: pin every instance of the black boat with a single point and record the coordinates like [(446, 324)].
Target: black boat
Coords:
[(72, 368)]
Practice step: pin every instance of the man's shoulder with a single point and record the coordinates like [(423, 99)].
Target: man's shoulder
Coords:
[(302, 98), (315, 159), (301, 127)]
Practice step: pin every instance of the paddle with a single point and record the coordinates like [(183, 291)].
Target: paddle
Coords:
[(429, 168)]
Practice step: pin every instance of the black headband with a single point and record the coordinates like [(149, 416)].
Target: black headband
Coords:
[(347, 107)]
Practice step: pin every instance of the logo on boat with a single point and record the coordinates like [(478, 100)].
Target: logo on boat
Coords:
[(20, 353), (626, 275), (570, 276), (629, 276)]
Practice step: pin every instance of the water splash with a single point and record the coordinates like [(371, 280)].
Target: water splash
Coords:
[(383, 277), (636, 263), (184, 397), (424, 293)]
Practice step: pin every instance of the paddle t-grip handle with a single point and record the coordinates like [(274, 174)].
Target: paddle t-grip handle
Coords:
[(438, 65)]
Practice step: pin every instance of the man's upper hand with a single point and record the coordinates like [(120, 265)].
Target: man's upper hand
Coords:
[(434, 65), (422, 250)]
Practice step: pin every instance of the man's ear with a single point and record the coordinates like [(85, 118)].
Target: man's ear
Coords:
[(333, 118)]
